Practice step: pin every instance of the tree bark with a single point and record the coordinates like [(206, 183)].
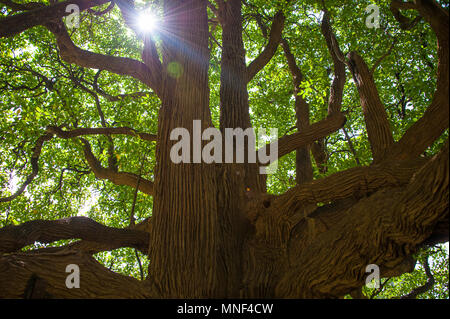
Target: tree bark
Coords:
[(185, 227)]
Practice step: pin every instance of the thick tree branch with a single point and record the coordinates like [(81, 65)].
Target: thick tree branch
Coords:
[(378, 62), (118, 178), (119, 65), (18, 23), (355, 182), (316, 131), (96, 281), (435, 120), (22, 6), (91, 247), (382, 229), (266, 55), (377, 124), (375, 116), (13, 238)]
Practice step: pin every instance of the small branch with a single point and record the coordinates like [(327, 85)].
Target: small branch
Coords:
[(213, 8), (379, 290), (405, 23), (34, 165), (141, 271), (424, 288), (103, 12), (100, 131), (133, 206), (351, 146), (303, 158), (337, 87), (378, 62)]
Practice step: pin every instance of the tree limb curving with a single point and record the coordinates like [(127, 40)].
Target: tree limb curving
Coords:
[(13, 238)]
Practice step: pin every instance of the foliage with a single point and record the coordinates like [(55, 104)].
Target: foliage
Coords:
[(38, 89)]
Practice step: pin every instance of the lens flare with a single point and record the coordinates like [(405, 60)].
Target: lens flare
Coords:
[(147, 22)]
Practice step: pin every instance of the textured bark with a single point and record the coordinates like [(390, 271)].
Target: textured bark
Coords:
[(13, 238), (375, 116), (21, 271), (314, 132), (185, 219), (352, 242), (236, 182)]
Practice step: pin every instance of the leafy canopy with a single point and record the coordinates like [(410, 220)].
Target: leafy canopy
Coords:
[(39, 90)]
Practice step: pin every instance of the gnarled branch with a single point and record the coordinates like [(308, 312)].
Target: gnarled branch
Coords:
[(355, 182), (119, 65), (404, 217), (13, 238), (96, 281)]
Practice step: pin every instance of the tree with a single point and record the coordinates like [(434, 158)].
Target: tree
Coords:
[(371, 183)]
